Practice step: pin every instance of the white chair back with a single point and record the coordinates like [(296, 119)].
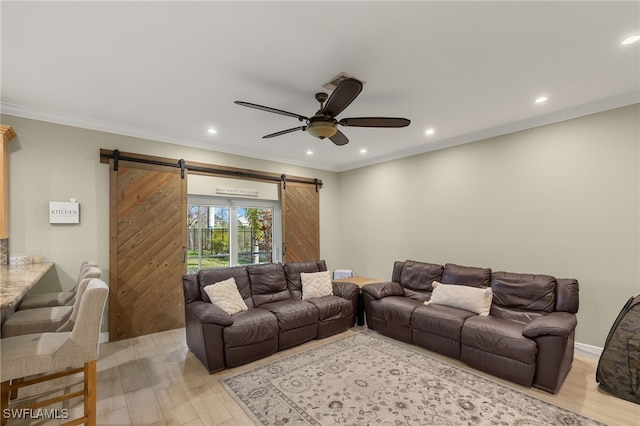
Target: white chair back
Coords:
[(68, 325), (57, 355), (87, 272), (85, 334)]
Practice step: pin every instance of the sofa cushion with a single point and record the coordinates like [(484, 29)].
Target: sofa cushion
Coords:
[(418, 276), (442, 320), (213, 275), (225, 294), (293, 313), (292, 271), (268, 283), (395, 310), (316, 284), (473, 299), (524, 292), (523, 317), (500, 337), (251, 326), (466, 275), (332, 307)]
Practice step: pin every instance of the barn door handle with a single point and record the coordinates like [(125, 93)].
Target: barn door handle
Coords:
[(284, 249), (184, 255)]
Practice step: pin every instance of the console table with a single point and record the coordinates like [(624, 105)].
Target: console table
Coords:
[(16, 281)]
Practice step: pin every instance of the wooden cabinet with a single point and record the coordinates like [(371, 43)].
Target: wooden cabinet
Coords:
[(7, 135)]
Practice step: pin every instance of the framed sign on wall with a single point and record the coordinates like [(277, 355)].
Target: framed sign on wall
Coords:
[(64, 212)]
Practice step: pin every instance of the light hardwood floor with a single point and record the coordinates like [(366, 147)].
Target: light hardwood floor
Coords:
[(155, 380)]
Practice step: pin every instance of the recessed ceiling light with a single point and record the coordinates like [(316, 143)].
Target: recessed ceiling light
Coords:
[(541, 99), (631, 39), (429, 132), (309, 152), (363, 151), (212, 131)]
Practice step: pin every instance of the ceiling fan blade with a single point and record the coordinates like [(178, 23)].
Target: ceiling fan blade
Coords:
[(339, 138), (375, 122), (342, 96), (273, 110), (284, 132)]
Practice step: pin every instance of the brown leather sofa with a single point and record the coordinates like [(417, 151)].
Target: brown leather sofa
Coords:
[(528, 337), (277, 317)]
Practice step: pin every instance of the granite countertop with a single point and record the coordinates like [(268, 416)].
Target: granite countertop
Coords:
[(17, 280)]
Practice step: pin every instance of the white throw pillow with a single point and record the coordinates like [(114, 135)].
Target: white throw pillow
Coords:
[(474, 299), (316, 284), (226, 295)]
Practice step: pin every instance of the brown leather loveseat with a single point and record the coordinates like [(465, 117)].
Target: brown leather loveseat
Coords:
[(277, 316), (525, 336)]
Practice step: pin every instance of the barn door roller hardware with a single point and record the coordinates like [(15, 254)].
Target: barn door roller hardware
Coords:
[(204, 169)]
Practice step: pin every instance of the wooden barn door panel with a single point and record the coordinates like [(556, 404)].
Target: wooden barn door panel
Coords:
[(300, 222), (148, 234)]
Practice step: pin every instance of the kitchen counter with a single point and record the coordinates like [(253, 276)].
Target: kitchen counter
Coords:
[(17, 280)]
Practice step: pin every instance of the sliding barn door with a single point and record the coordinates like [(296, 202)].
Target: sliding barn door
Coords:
[(300, 222), (148, 222)]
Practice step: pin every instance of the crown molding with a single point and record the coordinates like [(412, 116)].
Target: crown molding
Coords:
[(542, 120), (530, 123), (102, 126)]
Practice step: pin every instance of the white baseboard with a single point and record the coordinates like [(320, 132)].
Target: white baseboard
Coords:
[(588, 350), (104, 337)]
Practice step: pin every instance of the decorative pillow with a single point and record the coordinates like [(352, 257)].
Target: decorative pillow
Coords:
[(225, 294), (474, 299), (316, 284)]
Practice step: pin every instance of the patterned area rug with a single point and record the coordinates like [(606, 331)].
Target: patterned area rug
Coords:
[(364, 379)]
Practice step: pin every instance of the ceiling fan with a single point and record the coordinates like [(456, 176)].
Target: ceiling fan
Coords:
[(324, 123)]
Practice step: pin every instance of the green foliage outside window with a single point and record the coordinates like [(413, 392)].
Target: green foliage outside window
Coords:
[(209, 246)]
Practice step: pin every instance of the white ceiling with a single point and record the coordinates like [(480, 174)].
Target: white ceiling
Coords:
[(170, 70)]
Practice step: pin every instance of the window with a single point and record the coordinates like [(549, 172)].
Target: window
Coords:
[(223, 232)]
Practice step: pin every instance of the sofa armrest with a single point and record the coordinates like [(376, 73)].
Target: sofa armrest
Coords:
[(209, 313), (345, 290), (380, 290), (553, 324)]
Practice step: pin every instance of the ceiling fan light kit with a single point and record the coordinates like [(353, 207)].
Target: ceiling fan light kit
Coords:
[(322, 128), (324, 124)]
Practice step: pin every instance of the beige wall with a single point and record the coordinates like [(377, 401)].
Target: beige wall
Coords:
[(51, 162), (561, 199)]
